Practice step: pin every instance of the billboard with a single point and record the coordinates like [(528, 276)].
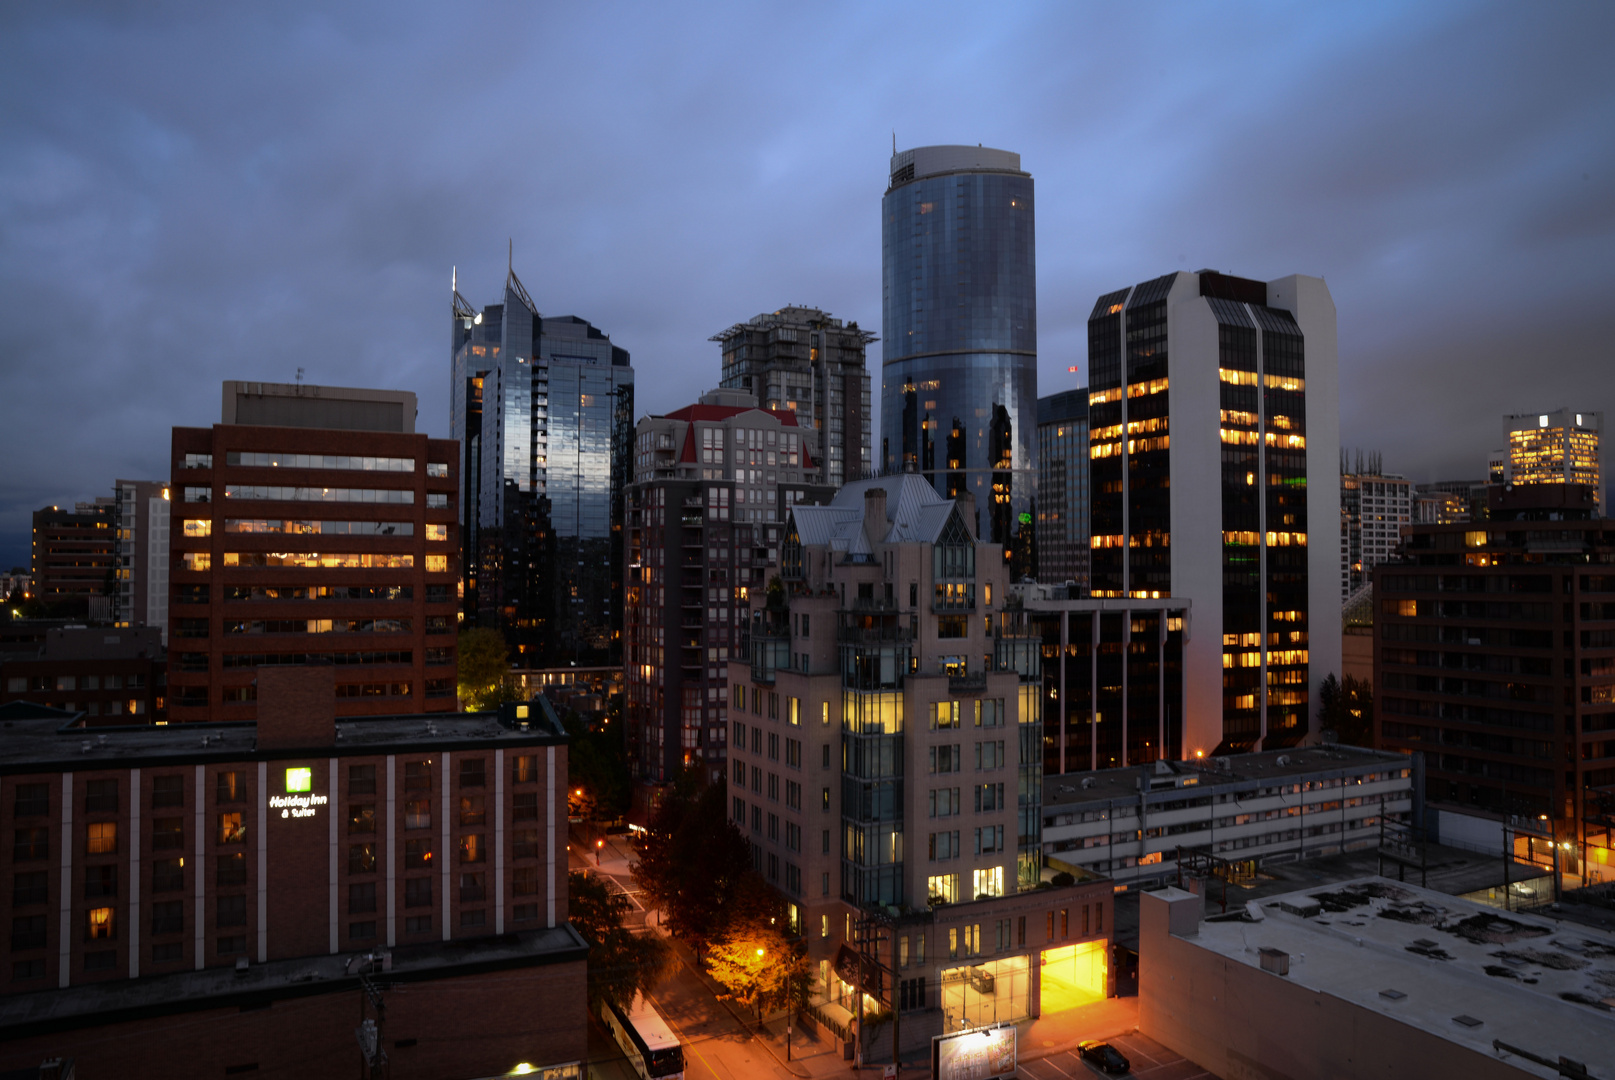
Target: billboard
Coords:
[(981, 1054)]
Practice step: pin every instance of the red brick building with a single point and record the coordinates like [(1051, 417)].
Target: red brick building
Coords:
[(313, 526), (115, 676), (206, 900)]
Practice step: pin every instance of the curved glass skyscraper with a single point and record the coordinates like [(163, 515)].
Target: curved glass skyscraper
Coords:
[(959, 374)]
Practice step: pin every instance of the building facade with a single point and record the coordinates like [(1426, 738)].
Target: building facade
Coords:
[(117, 676), (1494, 653), (73, 555), (803, 361), (1374, 509), (547, 406), (336, 544), (1062, 488), (1256, 809), (1559, 447), (885, 757), (713, 485), (1212, 401), (165, 884), (959, 319), (142, 557)]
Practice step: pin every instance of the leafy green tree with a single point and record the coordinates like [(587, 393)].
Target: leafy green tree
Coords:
[(694, 865), (484, 665), (1346, 707), (597, 763), (621, 963)]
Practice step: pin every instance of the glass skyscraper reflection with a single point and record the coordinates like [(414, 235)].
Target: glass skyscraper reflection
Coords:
[(543, 409), (959, 374)]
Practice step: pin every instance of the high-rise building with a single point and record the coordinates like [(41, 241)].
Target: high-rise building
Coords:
[(1213, 401), (959, 371), (803, 361), (713, 483), (73, 554), (1559, 447), (1374, 508), (1494, 653), (1062, 488), (312, 526), (543, 409), (886, 764), (142, 557)]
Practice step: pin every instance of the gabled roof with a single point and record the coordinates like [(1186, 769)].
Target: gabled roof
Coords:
[(915, 513), (713, 413)]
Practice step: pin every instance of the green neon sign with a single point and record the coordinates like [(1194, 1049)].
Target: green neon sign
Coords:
[(299, 780)]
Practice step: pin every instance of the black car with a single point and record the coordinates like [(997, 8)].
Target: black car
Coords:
[(1104, 1056)]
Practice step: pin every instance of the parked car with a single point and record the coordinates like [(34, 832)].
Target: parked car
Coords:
[(1103, 1056)]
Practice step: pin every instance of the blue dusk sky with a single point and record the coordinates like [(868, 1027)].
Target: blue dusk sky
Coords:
[(196, 192)]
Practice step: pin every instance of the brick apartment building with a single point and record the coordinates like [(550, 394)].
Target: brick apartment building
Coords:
[(314, 525), (73, 555), (1494, 653), (116, 676), (217, 899)]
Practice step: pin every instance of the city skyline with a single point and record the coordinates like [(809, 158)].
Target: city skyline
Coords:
[(226, 216)]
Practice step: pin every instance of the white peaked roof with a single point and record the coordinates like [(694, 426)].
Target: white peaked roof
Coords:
[(914, 513)]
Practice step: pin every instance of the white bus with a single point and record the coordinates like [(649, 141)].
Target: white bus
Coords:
[(644, 1036)]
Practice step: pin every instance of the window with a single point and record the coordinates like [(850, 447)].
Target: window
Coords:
[(471, 888), (99, 924), (417, 776), (168, 875), (472, 810), (947, 759), (101, 797), (437, 564), (526, 844), (943, 888), (168, 917), (990, 755), (167, 952), (437, 470), (231, 830), (361, 897), (952, 626), (231, 910), (418, 892), (524, 769), (30, 887), (989, 797), (418, 813), (361, 818), (167, 791), (944, 802), (436, 500), (524, 881), (33, 800), (361, 779), (102, 838), (471, 772), (361, 858), (101, 882), (31, 844), (473, 848), (436, 532), (988, 882), (358, 931), (230, 869), (944, 845), (989, 840), (524, 806), (417, 854), (228, 788), (28, 932)]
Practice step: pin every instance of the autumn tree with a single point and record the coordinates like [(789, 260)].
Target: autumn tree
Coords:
[(621, 963), (484, 664), (760, 966)]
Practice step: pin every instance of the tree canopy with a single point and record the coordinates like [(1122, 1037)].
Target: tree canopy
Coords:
[(1346, 707), (484, 664), (621, 963), (760, 965)]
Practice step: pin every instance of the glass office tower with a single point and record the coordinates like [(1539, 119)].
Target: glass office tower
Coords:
[(959, 373), (543, 409)]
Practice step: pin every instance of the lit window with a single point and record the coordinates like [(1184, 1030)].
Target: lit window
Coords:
[(102, 839), (100, 924)]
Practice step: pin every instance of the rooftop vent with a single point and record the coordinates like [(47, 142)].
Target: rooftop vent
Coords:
[(1465, 1020), (1392, 995), (241, 965), (1275, 960), (1087, 781), (1304, 907)]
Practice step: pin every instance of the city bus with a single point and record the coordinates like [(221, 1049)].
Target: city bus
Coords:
[(644, 1036)]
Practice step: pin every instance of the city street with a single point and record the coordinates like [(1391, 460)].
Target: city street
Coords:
[(723, 1044)]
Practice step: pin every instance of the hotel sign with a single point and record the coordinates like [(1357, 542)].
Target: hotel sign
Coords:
[(300, 800)]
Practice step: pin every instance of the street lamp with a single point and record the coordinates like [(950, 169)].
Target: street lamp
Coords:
[(598, 844)]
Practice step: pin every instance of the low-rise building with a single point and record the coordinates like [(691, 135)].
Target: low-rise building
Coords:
[(1374, 978), (167, 881), (1256, 809), (112, 676)]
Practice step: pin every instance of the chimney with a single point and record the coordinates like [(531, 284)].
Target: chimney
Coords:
[(296, 707), (966, 502), (876, 524)]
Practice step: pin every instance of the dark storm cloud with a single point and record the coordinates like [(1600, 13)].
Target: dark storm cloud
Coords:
[(189, 194)]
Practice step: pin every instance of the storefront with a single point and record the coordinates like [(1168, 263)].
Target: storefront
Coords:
[(990, 992), (1072, 975)]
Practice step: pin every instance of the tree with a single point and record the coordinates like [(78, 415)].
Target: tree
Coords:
[(596, 763), (621, 963), (484, 662), (1346, 707), (760, 966), (694, 865)]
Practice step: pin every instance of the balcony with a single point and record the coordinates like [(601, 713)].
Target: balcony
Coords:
[(873, 604), (968, 683)]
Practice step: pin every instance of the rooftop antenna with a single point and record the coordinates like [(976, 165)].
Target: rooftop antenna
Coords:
[(510, 258), (299, 380), (454, 279), (894, 142)]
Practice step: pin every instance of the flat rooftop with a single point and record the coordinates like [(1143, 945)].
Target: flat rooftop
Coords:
[(227, 987), (1068, 790), (48, 744), (1468, 973)]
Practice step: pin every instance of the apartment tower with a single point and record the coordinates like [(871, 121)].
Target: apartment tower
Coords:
[(1559, 447)]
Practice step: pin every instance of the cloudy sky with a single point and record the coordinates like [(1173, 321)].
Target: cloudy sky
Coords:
[(190, 193)]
